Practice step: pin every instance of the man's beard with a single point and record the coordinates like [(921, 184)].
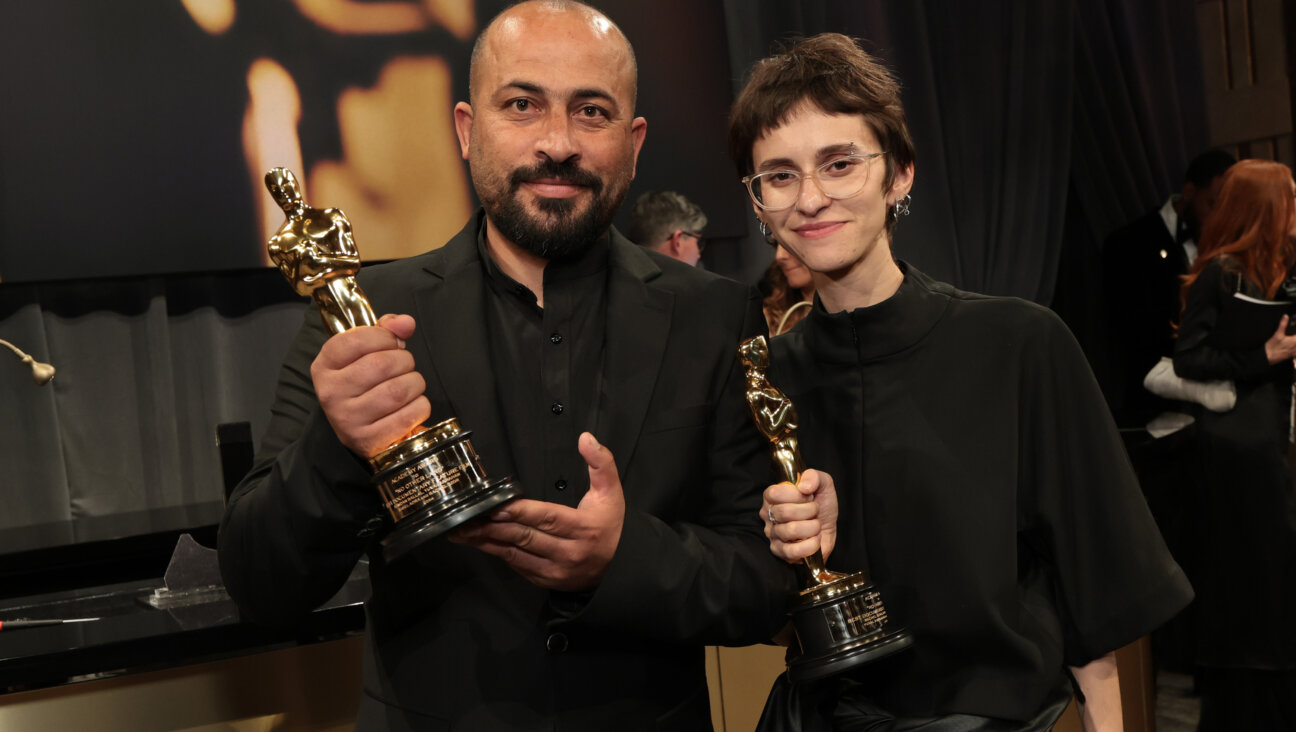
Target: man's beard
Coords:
[(559, 231)]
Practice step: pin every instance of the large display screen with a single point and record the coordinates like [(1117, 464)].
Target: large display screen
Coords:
[(135, 135)]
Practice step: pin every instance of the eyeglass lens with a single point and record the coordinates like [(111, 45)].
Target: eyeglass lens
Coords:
[(840, 178)]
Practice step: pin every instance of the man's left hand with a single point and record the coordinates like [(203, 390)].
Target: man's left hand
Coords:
[(554, 546)]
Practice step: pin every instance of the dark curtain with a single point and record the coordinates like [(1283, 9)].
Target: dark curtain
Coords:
[(1139, 117), (1039, 126), (147, 367)]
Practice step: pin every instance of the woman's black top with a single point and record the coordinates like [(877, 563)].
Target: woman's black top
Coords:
[(982, 481)]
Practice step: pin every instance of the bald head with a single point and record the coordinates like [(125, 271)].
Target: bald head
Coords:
[(550, 135), (533, 16)]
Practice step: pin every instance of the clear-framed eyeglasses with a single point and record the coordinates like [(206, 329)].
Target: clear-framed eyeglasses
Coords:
[(842, 177)]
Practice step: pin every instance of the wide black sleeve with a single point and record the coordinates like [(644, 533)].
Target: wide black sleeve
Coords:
[(708, 577), (1194, 357), (1082, 508), (295, 526)]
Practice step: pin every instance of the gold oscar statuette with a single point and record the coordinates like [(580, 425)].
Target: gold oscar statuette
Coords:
[(431, 480), (839, 619)]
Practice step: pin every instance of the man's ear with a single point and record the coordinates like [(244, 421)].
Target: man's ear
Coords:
[(638, 131), (463, 122), (673, 244)]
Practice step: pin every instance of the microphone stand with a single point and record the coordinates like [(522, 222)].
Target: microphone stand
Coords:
[(41, 372)]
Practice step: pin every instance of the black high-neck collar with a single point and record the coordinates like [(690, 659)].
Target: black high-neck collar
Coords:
[(877, 331)]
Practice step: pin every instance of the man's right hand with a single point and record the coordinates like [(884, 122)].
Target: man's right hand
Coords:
[(367, 385), (801, 518)]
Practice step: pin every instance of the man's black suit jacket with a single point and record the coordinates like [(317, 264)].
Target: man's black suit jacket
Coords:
[(1142, 270), (457, 640)]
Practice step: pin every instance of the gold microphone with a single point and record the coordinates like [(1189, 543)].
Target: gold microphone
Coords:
[(41, 372)]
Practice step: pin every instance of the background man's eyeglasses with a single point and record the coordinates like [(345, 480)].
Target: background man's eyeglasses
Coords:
[(701, 243)]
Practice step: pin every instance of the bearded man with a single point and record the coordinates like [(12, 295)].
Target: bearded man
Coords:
[(601, 375)]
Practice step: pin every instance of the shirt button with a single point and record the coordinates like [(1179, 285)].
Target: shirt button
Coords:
[(556, 643), (560, 484), (556, 408), (556, 338)]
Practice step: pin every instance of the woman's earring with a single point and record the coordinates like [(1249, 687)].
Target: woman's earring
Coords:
[(901, 207), (766, 232)]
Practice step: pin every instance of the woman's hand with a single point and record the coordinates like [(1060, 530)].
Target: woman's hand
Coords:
[(801, 518), (1280, 346)]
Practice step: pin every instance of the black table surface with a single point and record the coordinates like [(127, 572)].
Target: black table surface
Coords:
[(110, 576)]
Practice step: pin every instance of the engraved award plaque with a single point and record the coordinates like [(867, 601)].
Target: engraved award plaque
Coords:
[(839, 619), (431, 480)]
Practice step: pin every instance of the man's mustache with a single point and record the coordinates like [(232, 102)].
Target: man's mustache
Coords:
[(568, 172)]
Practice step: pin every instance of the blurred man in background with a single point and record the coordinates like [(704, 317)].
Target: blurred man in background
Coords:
[(667, 222)]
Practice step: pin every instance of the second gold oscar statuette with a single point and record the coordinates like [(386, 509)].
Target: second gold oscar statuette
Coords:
[(839, 619)]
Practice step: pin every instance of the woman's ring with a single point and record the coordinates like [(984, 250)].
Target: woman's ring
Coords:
[(770, 512)]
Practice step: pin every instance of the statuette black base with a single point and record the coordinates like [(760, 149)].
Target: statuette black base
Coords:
[(431, 482), (839, 625), (455, 509)]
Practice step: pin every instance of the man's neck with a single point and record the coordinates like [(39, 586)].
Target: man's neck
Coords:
[(523, 266)]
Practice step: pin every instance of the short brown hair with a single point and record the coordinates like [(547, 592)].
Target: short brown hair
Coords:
[(831, 72)]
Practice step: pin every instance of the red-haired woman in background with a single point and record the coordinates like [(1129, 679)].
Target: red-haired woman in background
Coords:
[(1246, 586)]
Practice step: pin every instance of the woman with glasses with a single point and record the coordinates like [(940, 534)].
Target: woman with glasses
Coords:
[(961, 450)]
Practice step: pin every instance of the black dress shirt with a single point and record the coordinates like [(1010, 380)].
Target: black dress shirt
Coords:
[(548, 364)]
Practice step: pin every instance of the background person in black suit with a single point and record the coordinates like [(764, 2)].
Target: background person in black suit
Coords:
[(586, 604), (1143, 266)]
